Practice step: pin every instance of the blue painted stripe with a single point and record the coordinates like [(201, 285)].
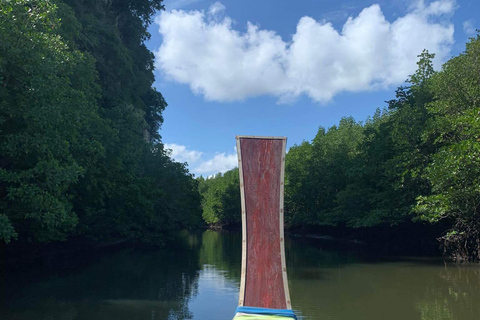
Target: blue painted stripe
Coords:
[(277, 312)]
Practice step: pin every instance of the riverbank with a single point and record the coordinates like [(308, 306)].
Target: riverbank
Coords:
[(404, 239), (26, 253), (412, 239)]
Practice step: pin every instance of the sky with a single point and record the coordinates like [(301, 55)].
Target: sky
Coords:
[(283, 68)]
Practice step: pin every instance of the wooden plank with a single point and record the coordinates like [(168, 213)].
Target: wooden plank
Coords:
[(244, 227), (261, 168), (282, 236)]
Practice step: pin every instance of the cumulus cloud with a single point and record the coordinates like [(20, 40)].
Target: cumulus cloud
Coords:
[(182, 154), (201, 163), (216, 9), (469, 27), (221, 162), (205, 51)]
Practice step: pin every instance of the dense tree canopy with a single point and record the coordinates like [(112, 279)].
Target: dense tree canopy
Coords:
[(454, 169), (80, 151), (48, 115), (221, 199)]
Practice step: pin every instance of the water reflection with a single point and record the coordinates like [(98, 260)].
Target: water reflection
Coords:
[(454, 296), (217, 296), (220, 260), (223, 249), (199, 279), (123, 284), (340, 281)]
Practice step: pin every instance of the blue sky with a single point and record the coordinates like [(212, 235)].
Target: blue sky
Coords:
[(278, 68)]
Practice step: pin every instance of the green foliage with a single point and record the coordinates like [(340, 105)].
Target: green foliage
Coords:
[(221, 199), (418, 160), (315, 173), (136, 191), (47, 114), (80, 150), (7, 232), (364, 174), (454, 171), (297, 190), (395, 153), (369, 197)]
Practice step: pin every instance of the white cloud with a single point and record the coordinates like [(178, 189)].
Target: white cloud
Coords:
[(434, 8), (205, 51), (200, 163), (221, 162), (182, 154), (216, 9), (469, 27)]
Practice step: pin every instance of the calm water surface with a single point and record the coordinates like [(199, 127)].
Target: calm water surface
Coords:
[(199, 279)]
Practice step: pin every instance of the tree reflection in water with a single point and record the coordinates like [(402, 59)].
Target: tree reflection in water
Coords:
[(328, 280), (129, 283)]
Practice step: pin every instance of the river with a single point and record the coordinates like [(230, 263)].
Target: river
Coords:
[(198, 278)]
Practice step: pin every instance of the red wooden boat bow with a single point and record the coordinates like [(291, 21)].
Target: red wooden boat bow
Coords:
[(261, 162)]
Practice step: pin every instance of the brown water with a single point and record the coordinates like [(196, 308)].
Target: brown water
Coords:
[(199, 279)]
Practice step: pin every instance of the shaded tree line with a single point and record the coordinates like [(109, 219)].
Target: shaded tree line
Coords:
[(221, 199), (80, 152), (417, 160)]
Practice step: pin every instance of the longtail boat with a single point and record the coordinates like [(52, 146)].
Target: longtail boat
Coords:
[(264, 287)]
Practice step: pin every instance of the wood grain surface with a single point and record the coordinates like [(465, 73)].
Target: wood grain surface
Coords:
[(261, 164)]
